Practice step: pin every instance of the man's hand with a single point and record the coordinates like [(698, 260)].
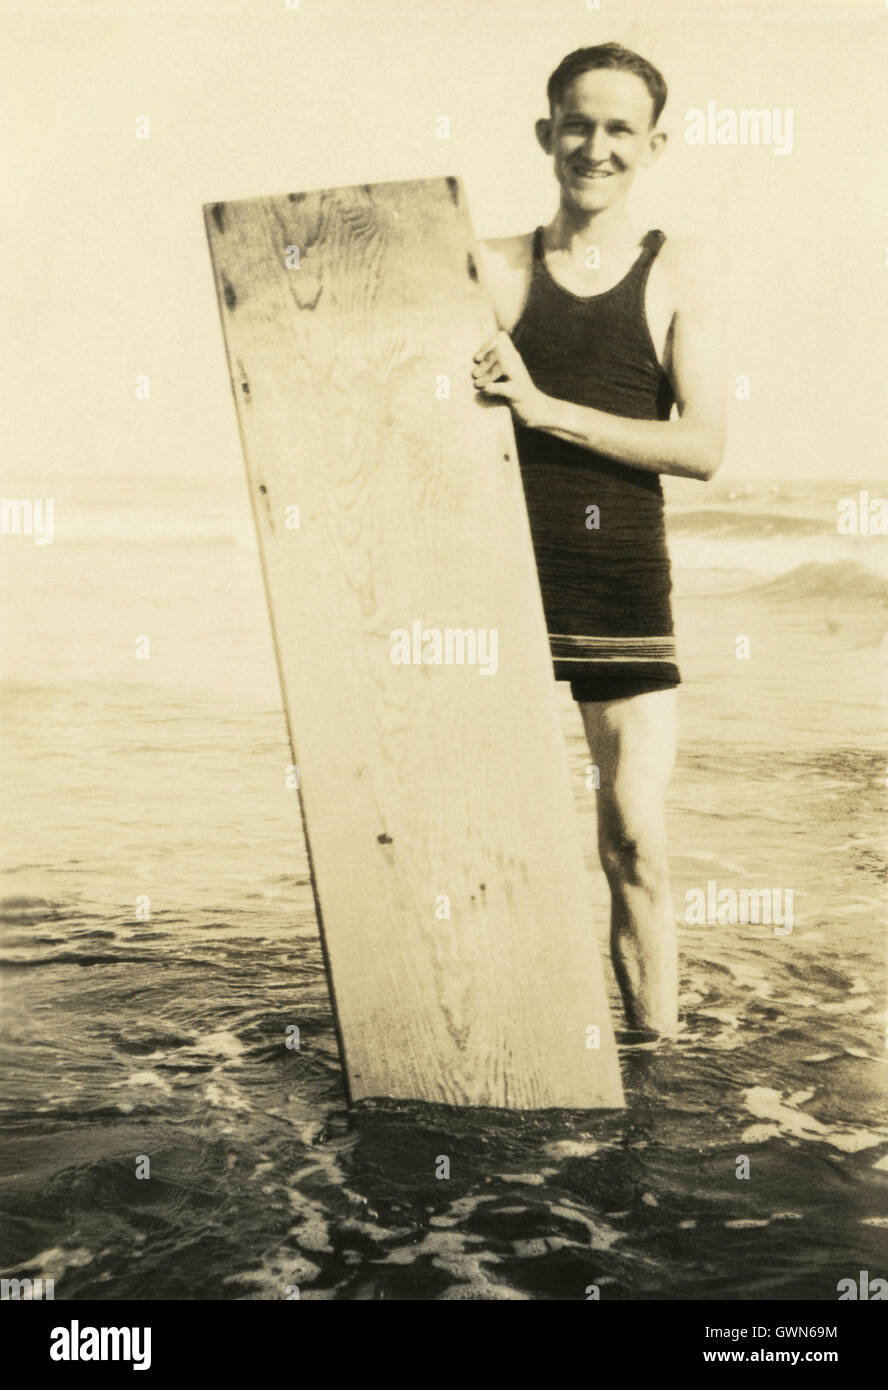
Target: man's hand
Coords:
[(500, 372)]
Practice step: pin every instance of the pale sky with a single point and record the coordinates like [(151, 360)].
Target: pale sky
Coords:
[(106, 268)]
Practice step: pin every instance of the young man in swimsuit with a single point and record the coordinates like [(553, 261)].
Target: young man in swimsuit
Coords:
[(601, 333)]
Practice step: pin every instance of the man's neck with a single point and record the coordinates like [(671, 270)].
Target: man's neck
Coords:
[(572, 231)]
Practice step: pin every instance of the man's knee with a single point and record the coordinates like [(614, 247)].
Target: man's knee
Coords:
[(633, 853)]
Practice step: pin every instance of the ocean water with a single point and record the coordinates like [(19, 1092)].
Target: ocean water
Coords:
[(164, 1038)]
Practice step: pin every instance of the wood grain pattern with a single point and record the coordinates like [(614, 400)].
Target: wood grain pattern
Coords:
[(417, 781)]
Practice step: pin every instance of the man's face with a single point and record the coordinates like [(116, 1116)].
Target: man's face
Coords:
[(599, 136)]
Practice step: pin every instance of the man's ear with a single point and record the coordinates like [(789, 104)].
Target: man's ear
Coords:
[(656, 146), (543, 130)]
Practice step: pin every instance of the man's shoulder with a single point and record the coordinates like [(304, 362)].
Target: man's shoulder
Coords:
[(505, 264), (508, 253)]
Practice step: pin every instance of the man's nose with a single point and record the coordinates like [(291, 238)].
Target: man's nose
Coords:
[(597, 147)]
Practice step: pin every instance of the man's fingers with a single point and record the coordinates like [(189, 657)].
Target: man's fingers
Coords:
[(494, 344), (486, 348), (491, 362), (487, 364), (482, 376), (506, 389), (484, 361)]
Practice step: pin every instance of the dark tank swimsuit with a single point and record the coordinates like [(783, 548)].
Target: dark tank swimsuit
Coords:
[(606, 591)]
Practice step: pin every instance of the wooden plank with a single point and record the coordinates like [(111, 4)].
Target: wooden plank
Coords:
[(425, 781)]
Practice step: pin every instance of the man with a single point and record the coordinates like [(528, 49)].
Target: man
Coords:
[(602, 333)]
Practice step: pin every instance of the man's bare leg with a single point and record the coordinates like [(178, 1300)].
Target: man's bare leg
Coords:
[(632, 742)]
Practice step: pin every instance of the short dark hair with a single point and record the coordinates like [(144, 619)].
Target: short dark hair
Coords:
[(606, 55)]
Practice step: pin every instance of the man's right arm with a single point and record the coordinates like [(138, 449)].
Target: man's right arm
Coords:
[(505, 265)]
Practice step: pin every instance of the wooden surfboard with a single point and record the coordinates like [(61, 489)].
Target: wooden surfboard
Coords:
[(442, 835)]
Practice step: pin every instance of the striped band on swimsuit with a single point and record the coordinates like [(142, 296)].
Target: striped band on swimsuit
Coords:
[(607, 649)]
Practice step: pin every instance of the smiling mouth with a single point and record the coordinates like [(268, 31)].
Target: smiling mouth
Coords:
[(594, 173)]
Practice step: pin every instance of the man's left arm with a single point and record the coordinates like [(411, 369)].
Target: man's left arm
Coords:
[(690, 446)]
